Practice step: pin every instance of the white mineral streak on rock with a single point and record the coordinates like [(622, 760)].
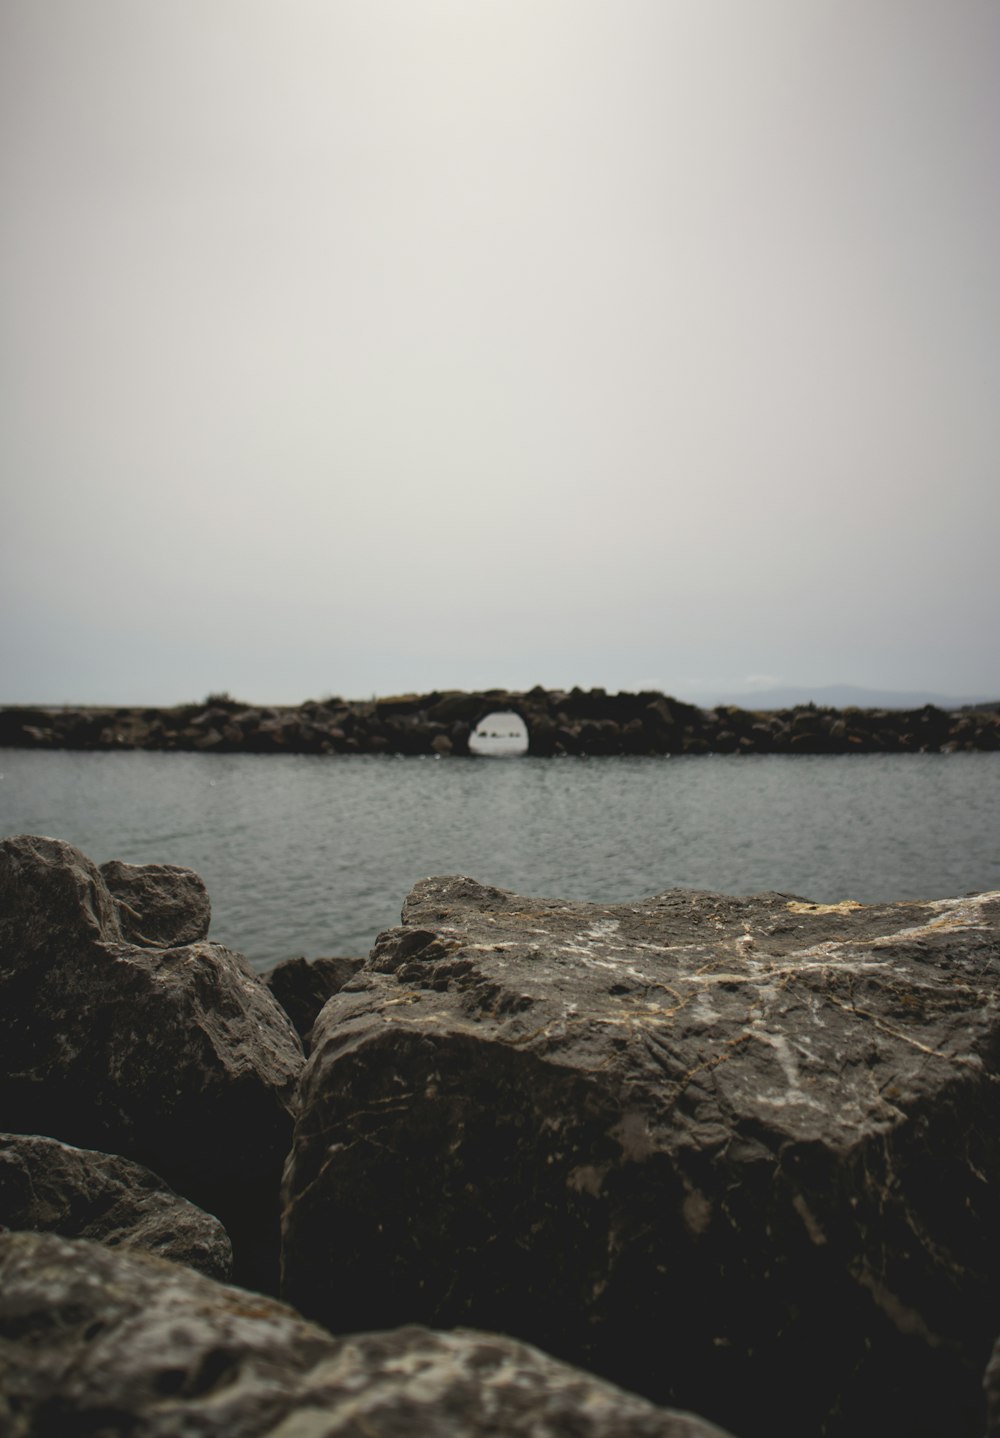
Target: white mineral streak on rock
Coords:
[(786, 1059), (952, 914), (812, 1225), (906, 1319), (703, 1010), (603, 928), (697, 1211), (960, 913)]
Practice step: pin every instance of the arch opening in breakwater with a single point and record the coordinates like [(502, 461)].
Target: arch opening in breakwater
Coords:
[(502, 733)]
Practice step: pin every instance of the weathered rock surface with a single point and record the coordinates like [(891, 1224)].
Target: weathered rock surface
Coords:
[(51, 1187), (97, 1341), (159, 905), (178, 1058), (302, 987), (737, 1154)]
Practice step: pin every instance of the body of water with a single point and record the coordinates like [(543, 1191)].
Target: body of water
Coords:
[(314, 855)]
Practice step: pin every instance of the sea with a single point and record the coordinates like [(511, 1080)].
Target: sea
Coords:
[(313, 855)]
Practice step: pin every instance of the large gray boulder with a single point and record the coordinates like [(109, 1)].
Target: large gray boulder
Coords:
[(178, 1058), (736, 1154), (159, 905), (52, 1187), (94, 1340)]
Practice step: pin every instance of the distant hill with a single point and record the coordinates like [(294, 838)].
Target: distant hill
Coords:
[(840, 696)]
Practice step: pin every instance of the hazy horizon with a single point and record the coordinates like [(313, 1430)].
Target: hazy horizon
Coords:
[(370, 346), (825, 696)]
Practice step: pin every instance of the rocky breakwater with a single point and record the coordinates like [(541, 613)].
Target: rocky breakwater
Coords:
[(573, 722), (735, 1154)]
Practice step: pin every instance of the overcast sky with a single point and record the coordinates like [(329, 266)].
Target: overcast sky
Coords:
[(359, 346)]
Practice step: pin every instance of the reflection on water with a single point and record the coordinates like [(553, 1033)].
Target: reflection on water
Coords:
[(315, 854)]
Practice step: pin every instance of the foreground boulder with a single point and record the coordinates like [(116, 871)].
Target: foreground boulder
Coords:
[(178, 1058), (53, 1188), (93, 1340), (159, 905), (737, 1154)]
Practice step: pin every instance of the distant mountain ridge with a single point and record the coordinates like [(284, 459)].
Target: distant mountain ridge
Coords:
[(842, 696)]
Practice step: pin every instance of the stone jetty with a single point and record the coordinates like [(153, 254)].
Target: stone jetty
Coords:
[(577, 721), (549, 1167)]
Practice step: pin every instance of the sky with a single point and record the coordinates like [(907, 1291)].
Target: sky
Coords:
[(365, 346)]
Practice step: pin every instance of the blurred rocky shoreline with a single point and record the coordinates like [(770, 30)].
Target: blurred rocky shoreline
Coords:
[(558, 722)]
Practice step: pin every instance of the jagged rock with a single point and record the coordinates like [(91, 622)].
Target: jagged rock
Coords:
[(178, 1058), (302, 986), (53, 1188), (736, 1154), (159, 905), (98, 1341)]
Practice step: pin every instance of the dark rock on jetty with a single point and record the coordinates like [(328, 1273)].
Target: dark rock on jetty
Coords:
[(94, 1341), (178, 1057), (576, 721), (302, 987), (53, 1188), (740, 1155)]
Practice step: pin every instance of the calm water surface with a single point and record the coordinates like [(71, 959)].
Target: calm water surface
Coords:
[(314, 855)]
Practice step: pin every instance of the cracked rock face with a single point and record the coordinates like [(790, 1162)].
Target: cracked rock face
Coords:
[(99, 1341), (175, 1057), (695, 1143), (53, 1188)]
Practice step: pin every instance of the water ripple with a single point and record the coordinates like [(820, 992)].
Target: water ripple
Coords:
[(314, 855)]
